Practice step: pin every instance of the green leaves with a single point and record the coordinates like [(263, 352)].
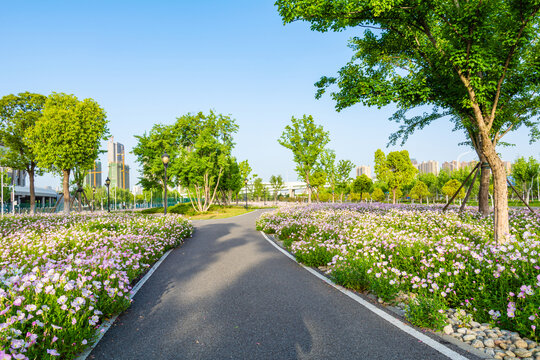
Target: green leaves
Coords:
[(69, 133), (395, 169), (471, 58), (148, 151), (306, 140), (18, 115)]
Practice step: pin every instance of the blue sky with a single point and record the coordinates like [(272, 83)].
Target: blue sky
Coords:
[(150, 62)]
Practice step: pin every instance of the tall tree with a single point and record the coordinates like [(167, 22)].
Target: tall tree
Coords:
[(68, 135), (18, 115), (377, 195), (419, 191), (362, 184), (395, 169), (430, 180), (231, 181), (207, 142), (6, 180), (328, 165), (524, 173), (318, 180), (258, 188), (277, 184), (148, 151), (451, 187), (245, 171), (473, 59), (306, 140), (343, 176)]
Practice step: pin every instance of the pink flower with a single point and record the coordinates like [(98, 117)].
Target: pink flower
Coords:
[(53, 352), (17, 301)]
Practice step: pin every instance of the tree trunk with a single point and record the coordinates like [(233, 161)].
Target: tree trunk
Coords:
[(65, 184), (500, 190), (308, 188), (32, 191), (483, 192), (394, 196)]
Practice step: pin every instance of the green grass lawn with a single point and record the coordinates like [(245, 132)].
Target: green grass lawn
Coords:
[(215, 211)]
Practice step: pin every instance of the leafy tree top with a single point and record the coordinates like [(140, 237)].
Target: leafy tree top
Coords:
[(451, 187), (148, 151), (395, 169), (362, 184), (18, 115), (525, 171), (307, 141), (69, 132), (206, 143), (477, 60), (419, 190)]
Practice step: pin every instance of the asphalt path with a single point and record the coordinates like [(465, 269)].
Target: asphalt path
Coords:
[(229, 294)]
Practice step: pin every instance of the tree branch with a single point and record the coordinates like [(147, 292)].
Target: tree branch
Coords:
[(506, 64)]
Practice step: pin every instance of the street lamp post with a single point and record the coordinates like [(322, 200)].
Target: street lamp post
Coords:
[(245, 184), (93, 197), (165, 159), (107, 184)]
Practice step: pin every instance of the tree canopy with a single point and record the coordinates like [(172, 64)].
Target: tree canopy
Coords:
[(68, 135), (524, 173), (395, 169), (148, 151), (18, 115), (306, 140), (362, 184), (419, 191), (477, 61), (276, 182), (451, 187), (206, 143)]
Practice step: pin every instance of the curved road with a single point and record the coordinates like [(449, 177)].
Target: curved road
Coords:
[(229, 294)]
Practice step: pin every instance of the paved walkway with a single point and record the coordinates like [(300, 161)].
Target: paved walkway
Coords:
[(229, 294)]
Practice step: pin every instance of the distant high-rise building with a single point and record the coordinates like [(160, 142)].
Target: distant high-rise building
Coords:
[(93, 178), (118, 170), (468, 164), (450, 166), (363, 169), (119, 175), (115, 151), (429, 167)]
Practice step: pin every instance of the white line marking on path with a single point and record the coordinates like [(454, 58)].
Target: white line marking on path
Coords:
[(107, 324), (392, 320)]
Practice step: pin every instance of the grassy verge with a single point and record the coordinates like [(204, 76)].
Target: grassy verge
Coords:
[(215, 211)]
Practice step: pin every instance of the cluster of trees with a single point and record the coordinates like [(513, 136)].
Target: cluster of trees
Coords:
[(475, 63), (199, 146), (57, 133), (395, 173)]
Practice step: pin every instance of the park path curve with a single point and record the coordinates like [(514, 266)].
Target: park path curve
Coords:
[(229, 294)]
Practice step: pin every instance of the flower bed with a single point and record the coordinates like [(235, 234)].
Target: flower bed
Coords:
[(61, 276), (441, 259)]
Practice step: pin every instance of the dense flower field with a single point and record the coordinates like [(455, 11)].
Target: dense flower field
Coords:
[(61, 276), (447, 258)]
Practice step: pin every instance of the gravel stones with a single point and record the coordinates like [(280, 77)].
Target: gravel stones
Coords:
[(496, 343), (448, 329)]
